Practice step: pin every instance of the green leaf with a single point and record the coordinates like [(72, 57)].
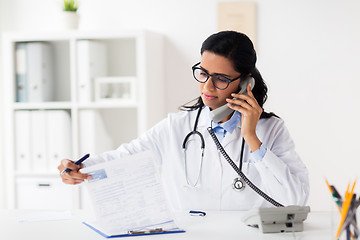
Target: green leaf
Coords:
[(70, 5)]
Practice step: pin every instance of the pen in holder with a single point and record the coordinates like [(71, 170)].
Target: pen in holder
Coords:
[(347, 207)]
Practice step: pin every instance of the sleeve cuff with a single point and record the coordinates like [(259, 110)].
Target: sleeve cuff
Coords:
[(259, 154)]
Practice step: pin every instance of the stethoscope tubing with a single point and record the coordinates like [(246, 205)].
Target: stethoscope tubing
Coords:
[(194, 132)]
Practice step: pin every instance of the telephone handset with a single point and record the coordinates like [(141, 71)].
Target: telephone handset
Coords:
[(222, 112)]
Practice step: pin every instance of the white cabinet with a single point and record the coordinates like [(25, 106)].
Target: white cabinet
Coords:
[(71, 93), (43, 193)]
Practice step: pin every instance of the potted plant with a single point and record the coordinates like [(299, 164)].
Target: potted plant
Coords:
[(70, 6), (71, 18)]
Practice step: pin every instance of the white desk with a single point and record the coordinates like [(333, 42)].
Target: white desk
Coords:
[(214, 226)]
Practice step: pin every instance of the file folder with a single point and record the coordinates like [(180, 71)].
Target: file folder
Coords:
[(23, 139), (38, 142), (21, 73), (58, 137), (92, 63), (39, 70)]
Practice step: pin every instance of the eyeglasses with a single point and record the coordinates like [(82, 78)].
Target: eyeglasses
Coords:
[(220, 81)]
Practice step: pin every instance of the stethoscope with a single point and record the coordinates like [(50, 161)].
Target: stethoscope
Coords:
[(238, 183)]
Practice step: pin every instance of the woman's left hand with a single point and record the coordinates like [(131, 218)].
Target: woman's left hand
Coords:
[(250, 114)]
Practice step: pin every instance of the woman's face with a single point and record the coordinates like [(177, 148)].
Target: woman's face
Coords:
[(216, 64)]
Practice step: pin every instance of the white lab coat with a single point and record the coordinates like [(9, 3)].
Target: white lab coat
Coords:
[(281, 174)]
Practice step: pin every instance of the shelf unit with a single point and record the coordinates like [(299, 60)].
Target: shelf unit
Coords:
[(134, 55)]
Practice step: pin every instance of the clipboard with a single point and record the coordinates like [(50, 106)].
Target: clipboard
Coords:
[(111, 179), (154, 231)]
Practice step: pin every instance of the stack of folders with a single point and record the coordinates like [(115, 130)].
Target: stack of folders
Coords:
[(43, 138), (34, 81), (347, 207)]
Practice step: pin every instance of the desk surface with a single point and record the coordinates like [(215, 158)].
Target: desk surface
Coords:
[(225, 225)]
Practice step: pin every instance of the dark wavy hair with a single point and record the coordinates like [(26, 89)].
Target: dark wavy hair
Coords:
[(239, 49)]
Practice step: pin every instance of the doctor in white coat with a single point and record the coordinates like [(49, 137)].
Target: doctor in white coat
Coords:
[(258, 143)]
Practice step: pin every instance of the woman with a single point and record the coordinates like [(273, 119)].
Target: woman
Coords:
[(258, 143)]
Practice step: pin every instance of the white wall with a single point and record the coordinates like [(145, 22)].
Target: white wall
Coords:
[(308, 54)]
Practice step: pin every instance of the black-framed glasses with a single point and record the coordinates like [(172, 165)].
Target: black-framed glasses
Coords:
[(220, 81)]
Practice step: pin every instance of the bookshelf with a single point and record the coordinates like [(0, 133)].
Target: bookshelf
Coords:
[(106, 89)]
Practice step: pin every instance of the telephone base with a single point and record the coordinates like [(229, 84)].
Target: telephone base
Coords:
[(276, 220)]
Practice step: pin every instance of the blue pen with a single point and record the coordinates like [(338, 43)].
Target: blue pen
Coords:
[(78, 162), (197, 213)]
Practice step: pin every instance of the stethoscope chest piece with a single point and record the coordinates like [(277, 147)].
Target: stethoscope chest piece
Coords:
[(238, 184)]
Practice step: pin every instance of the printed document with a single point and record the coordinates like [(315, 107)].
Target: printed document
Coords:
[(127, 195)]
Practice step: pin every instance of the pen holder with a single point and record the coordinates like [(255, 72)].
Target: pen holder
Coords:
[(347, 206), (350, 225)]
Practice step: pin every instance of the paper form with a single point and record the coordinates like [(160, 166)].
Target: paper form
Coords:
[(127, 194)]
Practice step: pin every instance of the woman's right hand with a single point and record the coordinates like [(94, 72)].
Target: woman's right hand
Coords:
[(74, 176)]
